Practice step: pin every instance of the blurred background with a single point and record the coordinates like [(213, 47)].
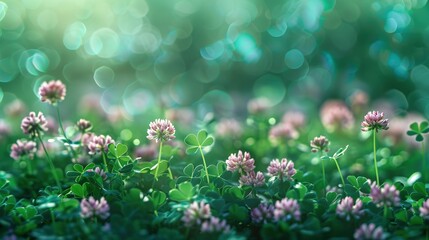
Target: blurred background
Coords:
[(134, 58)]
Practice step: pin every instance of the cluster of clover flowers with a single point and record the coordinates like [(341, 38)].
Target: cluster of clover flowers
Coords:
[(199, 213)]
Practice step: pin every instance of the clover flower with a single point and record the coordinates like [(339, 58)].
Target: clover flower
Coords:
[(15, 109), (320, 143), (287, 209), (228, 128), (424, 210), (5, 130), (264, 212), (258, 105), (336, 116), (242, 163), (196, 213), (83, 125), (347, 208), (387, 195), (368, 232), (52, 92), (23, 148), (161, 130), (295, 118), (253, 179), (99, 144), (374, 121), (99, 172), (34, 124), (94, 208), (283, 131), (215, 225), (281, 169)]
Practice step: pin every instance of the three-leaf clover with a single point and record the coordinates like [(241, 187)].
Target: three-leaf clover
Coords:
[(418, 130), (200, 140)]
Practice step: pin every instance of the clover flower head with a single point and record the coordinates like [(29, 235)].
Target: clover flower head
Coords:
[(347, 208), (94, 208), (98, 144), (215, 225), (196, 214), (253, 179), (424, 210), (23, 148), (52, 92), (336, 116), (258, 105), (287, 209), (83, 125), (239, 162), (368, 232), (283, 131), (34, 124), (263, 213), (99, 172), (5, 130), (320, 143), (228, 128), (161, 130), (386, 195), (281, 169), (295, 118), (374, 121)]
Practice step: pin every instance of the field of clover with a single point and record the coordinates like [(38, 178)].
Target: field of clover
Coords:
[(348, 174)]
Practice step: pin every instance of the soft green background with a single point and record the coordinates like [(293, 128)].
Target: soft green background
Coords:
[(142, 55)]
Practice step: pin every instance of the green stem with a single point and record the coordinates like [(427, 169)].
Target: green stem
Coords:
[(64, 132), (205, 165), (339, 171), (323, 175), (385, 212), (105, 162), (53, 220), (159, 160), (375, 158), (424, 161), (170, 174), (51, 164), (29, 168)]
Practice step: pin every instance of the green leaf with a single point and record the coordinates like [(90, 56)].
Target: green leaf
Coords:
[(416, 220), (353, 181), (31, 211), (127, 168), (202, 135), (191, 140), (420, 188), (78, 168), (77, 190), (158, 198), (188, 170), (415, 127), (411, 133), (331, 196), (402, 215), (121, 149), (419, 138), (191, 150), (424, 126), (209, 141), (184, 192), (340, 152), (238, 213), (163, 166), (362, 181), (212, 169), (89, 166)]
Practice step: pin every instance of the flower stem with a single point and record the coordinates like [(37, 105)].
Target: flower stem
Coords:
[(64, 132), (323, 175), (105, 162), (51, 164), (159, 160), (205, 165), (385, 212), (424, 161), (29, 169), (339, 171), (375, 158)]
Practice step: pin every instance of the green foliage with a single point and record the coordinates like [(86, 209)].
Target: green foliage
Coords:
[(418, 130)]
